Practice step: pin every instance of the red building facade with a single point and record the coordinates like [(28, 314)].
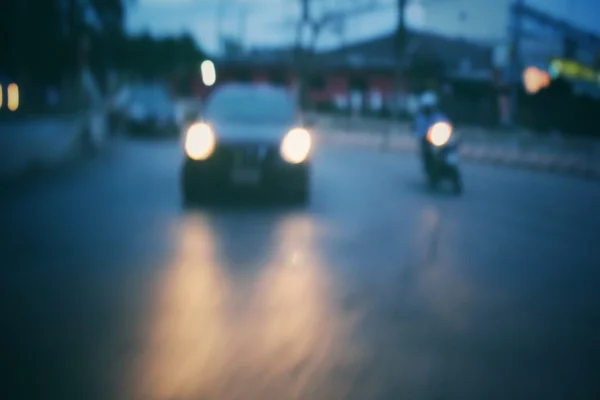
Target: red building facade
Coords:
[(325, 89), (361, 76)]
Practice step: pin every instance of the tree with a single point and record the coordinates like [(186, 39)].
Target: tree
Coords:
[(110, 15), (32, 40), (159, 57), (232, 47), (108, 42), (42, 38), (316, 18)]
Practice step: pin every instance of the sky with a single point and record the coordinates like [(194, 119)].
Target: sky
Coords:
[(269, 22)]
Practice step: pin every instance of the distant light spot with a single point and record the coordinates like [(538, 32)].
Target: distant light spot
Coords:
[(209, 73), (535, 79), (13, 96)]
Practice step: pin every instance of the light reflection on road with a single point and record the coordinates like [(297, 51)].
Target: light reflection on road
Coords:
[(280, 334), (439, 284), (187, 333)]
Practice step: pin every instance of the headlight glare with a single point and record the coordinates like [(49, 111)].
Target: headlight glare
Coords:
[(296, 146), (439, 134), (199, 141)]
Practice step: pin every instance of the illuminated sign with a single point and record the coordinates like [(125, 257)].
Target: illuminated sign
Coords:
[(574, 70), (535, 80)]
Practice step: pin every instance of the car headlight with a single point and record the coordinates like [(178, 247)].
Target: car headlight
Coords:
[(199, 141), (296, 146), (439, 134)]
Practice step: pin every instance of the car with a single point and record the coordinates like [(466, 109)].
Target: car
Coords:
[(250, 136), (145, 109)]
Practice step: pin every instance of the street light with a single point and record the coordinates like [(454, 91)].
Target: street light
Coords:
[(535, 79), (13, 96), (209, 72)]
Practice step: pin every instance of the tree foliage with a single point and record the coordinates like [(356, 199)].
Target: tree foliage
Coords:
[(318, 17), (45, 40), (154, 57)]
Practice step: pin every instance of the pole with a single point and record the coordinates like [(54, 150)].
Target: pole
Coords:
[(304, 23), (515, 60), (400, 52), (301, 62), (305, 11), (221, 8), (243, 19), (400, 39)]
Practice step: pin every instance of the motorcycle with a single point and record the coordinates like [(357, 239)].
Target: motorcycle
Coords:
[(442, 158)]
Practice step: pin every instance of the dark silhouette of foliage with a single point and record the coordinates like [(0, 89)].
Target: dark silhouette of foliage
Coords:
[(45, 40)]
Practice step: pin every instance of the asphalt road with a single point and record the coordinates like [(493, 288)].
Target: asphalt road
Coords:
[(378, 290)]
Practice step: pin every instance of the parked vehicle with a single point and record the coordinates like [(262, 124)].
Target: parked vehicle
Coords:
[(145, 110)]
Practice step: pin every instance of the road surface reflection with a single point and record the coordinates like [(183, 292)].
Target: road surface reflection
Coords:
[(280, 334), (439, 284)]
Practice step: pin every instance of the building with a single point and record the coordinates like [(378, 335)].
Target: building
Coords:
[(363, 73), (361, 76), (275, 66)]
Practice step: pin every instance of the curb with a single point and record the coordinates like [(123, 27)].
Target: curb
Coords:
[(566, 165), (83, 136)]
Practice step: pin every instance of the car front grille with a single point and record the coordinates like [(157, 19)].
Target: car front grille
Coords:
[(249, 154)]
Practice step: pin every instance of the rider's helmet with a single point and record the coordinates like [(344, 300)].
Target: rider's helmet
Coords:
[(428, 102)]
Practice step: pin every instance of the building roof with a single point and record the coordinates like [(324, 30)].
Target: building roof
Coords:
[(264, 57), (459, 57), (455, 54)]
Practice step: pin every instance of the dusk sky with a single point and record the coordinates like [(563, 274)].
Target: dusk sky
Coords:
[(266, 19)]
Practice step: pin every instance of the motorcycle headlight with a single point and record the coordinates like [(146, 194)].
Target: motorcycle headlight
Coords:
[(439, 134), (199, 141), (296, 146)]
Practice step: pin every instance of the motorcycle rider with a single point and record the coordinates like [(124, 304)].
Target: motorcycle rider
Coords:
[(427, 115)]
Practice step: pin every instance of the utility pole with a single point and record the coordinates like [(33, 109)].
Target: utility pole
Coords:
[(242, 24), (400, 44), (305, 11), (304, 23), (221, 10), (399, 73), (515, 29), (301, 61)]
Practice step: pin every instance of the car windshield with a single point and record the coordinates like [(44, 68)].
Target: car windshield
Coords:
[(250, 104)]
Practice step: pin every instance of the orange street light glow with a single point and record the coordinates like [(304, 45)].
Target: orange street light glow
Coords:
[(13, 96), (535, 79)]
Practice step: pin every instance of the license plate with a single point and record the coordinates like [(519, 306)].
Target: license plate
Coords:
[(245, 176), (452, 158)]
